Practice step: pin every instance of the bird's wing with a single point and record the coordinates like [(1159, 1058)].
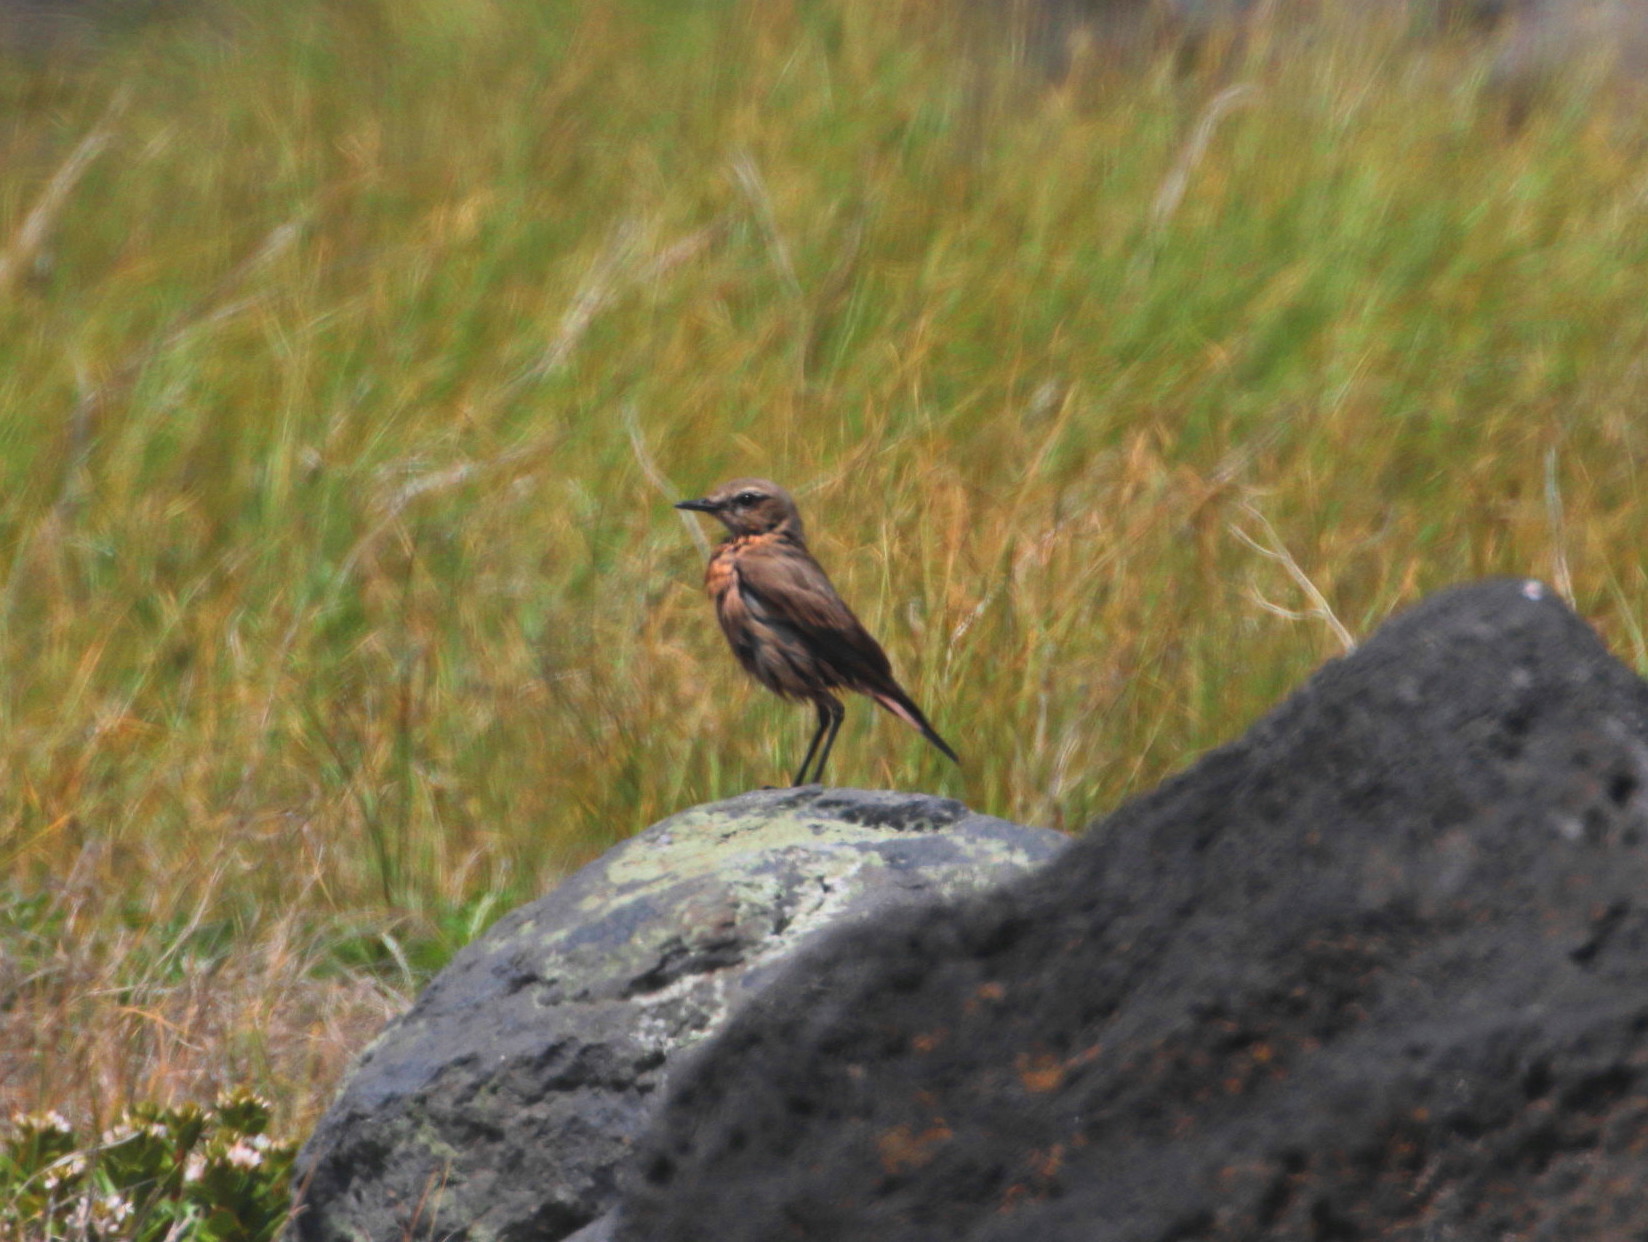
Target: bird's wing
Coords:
[(786, 588)]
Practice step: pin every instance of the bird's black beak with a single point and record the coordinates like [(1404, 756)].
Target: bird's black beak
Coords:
[(702, 506)]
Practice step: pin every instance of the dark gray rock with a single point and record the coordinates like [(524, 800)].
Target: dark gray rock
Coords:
[(1378, 969), (501, 1104)]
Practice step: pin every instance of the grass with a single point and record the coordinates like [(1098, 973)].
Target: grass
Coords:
[(347, 374), (158, 1175)]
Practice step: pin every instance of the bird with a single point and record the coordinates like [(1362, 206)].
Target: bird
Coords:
[(785, 622)]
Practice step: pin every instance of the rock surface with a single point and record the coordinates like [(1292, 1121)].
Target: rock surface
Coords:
[(1531, 41), (500, 1105), (1547, 37), (1379, 969)]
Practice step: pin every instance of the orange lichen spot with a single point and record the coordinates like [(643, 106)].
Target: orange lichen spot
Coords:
[(1086, 1056), (1041, 1073), (1046, 1164), (992, 991), (928, 1040), (902, 1150), (1011, 1196)]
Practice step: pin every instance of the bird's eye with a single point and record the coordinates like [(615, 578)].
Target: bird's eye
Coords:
[(748, 498)]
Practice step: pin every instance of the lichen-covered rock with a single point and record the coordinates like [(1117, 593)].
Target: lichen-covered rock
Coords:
[(1378, 969), (501, 1104)]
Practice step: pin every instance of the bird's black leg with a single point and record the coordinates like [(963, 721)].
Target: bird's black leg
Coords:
[(837, 713), (824, 717)]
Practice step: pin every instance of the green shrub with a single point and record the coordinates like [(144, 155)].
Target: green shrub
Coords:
[(159, 1173)]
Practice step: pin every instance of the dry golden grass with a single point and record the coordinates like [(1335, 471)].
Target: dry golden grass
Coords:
[(101, 1020)]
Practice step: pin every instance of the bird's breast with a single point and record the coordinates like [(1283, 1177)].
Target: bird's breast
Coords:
[(766, 645), (731, 609), (721, 575)]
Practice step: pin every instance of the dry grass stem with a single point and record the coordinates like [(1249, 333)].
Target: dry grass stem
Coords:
[(655, 476), (750, 182), (31, 236), (1274, 549), (1562, 579), (1177, 181)]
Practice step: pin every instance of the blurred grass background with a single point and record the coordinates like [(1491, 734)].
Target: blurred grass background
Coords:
[(351, 352)]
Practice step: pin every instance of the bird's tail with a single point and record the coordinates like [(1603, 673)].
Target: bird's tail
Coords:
[(902, 706)]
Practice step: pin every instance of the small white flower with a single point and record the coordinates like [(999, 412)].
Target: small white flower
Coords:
[(47, 1122), (243, 1156), (81, 1217), (194, 1167), (64, 1170), (99, 1213), (238, 1098)]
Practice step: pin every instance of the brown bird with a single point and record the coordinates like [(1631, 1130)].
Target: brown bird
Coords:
[(787, 626)]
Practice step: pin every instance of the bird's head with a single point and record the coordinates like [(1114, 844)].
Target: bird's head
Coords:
[(749, 507)]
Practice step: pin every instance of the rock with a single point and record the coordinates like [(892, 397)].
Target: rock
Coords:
[(1050, 31), (1548, 38), (62, 26), (1531, 43), (1379, 969), (500, 1104), (598, 1230)]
